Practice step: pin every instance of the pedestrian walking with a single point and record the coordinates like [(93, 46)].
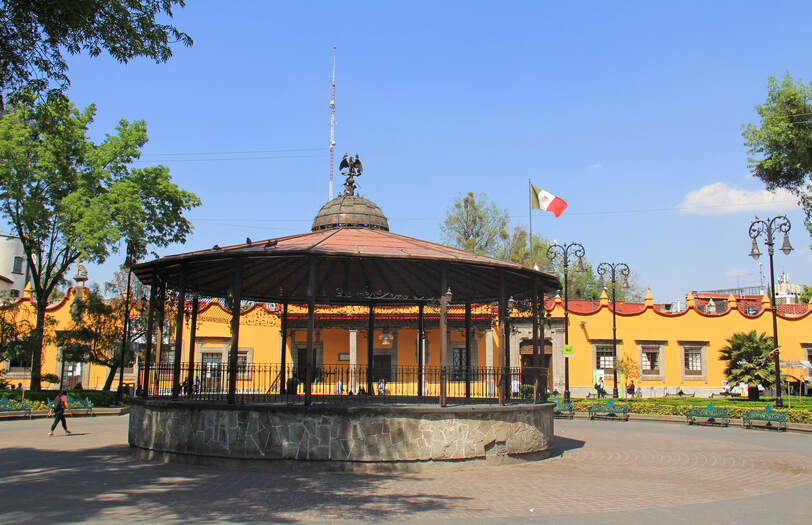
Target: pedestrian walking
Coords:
[(58, 408)]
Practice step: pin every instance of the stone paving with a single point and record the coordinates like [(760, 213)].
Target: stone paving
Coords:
[(608, 472)]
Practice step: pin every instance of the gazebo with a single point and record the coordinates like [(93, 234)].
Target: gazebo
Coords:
[(348, 258)]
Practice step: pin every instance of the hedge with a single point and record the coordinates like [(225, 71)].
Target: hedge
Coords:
[(98, 397), (644, 406)]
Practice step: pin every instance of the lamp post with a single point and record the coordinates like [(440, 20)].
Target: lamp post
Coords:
[(577, 251), (614, 270), (128, 263), (768, 228)]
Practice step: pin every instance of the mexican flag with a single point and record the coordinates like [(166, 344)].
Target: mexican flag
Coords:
[(544, 200)]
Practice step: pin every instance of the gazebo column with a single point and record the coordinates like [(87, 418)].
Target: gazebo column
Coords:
[(421, 336), (283, 350), (311, 322), (179, 334), (536, 357), (504, 384), (370, 347), (443, 333), (190, 375), (236, 301), (467, 349), (153, 295)]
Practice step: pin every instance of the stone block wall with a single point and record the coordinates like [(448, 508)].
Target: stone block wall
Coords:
[(344, 434)]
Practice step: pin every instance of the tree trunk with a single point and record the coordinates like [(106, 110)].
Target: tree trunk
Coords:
[(36, 347), (110, 376), (752, 392)]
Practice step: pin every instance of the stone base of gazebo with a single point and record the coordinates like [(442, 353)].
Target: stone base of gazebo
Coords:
[(354, 438)]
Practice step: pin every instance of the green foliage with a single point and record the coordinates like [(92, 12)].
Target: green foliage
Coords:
[(678, 407), (781, 146), (99, 397), (50, 378), (748, 357), (628, 367), (15, 335), (35, 34), (475, 225), (806, 297), (69, 199)]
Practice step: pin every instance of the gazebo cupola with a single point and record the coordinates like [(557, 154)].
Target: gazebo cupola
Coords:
[(349, 210)]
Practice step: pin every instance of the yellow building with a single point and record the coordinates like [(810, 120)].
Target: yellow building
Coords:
[(670, 351)]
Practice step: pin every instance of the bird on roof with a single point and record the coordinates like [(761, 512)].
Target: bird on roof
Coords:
[(248, 241), (216, 247)]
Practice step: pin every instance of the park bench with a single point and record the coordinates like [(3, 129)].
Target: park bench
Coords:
[(609, 409), (77, 404), (767, 414), (710, 412), (562, 408), (12, 405)]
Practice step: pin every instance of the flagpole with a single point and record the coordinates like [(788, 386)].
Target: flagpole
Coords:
[(530, 214)]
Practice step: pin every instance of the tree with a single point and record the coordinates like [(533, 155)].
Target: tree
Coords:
[(781, 146), (15, 334), (749, 361), (476, 225), (69, 199), (35, 34), (96, 332), (806, 297)]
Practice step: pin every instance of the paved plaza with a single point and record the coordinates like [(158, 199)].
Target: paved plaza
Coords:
[(607, 472)]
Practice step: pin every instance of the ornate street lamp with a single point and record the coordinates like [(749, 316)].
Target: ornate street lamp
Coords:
[(768, 228), (614, 270), (578, 251)]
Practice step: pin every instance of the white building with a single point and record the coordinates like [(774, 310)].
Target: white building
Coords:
[(13, 267)]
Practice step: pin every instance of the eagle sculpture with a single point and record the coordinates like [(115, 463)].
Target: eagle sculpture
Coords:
[(350, 167)]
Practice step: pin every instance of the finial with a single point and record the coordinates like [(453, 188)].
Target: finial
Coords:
[(350, 167)]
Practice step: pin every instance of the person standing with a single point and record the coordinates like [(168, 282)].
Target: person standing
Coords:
[(600, 388), (58, 408)]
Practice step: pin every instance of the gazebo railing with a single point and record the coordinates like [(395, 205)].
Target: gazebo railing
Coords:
[(341, 383)]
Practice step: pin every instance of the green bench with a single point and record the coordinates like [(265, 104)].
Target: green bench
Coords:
[(767, 414), (562, 408), (12, 405), (710, 412), (609, 409), (77, 404)]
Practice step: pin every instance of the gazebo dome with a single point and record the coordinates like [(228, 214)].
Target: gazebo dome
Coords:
[(350, 211)]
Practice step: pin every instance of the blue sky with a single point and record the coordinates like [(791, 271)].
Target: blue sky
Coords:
[(621, 109)]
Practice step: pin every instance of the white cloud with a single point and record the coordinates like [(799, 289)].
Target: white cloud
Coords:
[(596, 166), (721, 199), (736, 272)]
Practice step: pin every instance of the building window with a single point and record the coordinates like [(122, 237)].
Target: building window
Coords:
[(14, 293), (18, 265), (604, 358), (650, 360), (692, 359), (243, 365)]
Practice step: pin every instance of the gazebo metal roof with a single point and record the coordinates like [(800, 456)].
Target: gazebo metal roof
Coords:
[(352, 265)]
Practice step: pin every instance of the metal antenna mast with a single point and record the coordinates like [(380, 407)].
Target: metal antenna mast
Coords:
[(332, 124)]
